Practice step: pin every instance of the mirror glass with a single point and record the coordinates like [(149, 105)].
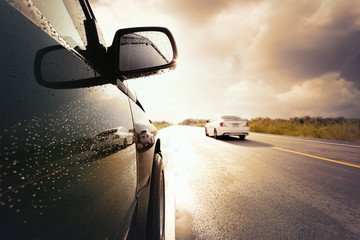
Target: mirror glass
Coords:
[(146, 49), (58, 68), (57, 64)]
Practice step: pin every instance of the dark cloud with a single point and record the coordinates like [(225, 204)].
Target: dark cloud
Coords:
[(351, 71), (306, 40), (322, 54)]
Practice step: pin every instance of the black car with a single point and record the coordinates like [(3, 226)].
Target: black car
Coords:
[(61, 88)]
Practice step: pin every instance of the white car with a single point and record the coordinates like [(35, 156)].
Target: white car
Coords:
[(227, 125)]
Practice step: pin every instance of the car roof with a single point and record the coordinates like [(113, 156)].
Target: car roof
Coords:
[(227, 115)]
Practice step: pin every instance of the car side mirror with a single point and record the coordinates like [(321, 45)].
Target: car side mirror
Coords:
[(139, 52), (73, 72)]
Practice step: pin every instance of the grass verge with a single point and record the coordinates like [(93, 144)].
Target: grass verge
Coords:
[(314, 127), (161, 124)]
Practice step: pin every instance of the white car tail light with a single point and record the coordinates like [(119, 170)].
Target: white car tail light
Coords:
[(222, 124)]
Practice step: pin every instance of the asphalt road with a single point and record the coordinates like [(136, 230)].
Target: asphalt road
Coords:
[(263, 187)]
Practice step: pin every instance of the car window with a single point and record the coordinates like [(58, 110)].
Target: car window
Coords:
[(67, 17), (230, 118)]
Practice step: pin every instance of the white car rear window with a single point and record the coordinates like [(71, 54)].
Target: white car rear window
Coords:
[(230, 118)]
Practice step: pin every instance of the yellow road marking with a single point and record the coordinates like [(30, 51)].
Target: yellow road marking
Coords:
[(321, 158)]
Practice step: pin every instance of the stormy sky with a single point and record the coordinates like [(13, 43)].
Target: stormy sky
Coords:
[(262, 58)]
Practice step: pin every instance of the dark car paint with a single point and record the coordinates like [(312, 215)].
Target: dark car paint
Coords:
[(52, 186)]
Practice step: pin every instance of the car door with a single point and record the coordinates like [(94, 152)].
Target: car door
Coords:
[(53, 184)]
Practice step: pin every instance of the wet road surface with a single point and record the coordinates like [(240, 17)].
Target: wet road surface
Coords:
[(263, 187)]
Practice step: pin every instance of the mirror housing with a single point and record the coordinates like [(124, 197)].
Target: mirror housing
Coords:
[(143, 51)]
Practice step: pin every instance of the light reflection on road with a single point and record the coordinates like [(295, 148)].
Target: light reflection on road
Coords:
[(231, 189), (178, 193)]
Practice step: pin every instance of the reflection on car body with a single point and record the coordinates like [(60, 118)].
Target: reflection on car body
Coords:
[(62, 97), (146, 137), (145, 54), (114, 138)]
